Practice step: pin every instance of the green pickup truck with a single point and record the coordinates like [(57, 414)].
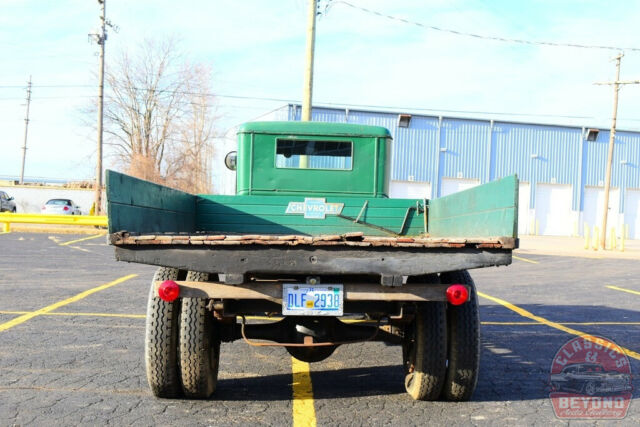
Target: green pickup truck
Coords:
[(311, 254)]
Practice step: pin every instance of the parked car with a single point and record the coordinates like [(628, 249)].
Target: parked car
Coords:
[(6, 203), (61, 207), (589, 379)]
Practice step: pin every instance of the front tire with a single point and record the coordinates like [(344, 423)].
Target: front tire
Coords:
[(199, 345), (161, 340), (424, 352), (463, 337)]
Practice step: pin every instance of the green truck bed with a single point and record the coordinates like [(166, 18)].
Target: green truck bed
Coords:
[(152, 224)]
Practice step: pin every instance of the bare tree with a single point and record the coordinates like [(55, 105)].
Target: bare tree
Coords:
[(158, 116)]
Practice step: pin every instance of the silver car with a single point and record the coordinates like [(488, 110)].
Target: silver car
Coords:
[(6, 203), (61, 207)]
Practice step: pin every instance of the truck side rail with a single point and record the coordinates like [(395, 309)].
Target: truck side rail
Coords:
[(487, 210), (143, 207)]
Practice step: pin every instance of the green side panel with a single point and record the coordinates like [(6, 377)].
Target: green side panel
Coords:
[(144, 207), (266, 215), (489, 210)]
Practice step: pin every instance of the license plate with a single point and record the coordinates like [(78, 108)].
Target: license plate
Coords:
[(300, 299)]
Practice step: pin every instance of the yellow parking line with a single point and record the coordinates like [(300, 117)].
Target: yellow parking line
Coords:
[(52, 307), (563, 323), (83, 239), (615, 288), (524, 313), (304, 413), (488, 323), (525, 259), (126, 316)]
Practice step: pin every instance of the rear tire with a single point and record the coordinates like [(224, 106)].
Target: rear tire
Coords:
[(161, 340), (424, 352), (463, 333), (199, 345)]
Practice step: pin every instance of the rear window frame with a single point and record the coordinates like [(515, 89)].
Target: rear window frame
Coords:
[(351, 155)]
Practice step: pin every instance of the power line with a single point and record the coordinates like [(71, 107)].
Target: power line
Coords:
[(485, 37)]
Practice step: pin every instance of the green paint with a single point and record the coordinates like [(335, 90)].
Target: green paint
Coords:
[(489, 210), (257, 173), (265, 192)]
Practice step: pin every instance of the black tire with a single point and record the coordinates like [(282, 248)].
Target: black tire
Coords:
[(161, 340), (13, 210), (424, 352), (199, 345), (463, 337)]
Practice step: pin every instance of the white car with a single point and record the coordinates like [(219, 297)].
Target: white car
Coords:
[(61, 207)]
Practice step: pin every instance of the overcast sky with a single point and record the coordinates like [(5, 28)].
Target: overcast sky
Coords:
[(256, 49)]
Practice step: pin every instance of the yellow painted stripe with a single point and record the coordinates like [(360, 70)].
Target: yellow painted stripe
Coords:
[(615, 288), (524, 259), (5, 232), (304, 413), (488, 323), (82, 240), (524, 313), (564, 323), (126, 316), (52, 307)]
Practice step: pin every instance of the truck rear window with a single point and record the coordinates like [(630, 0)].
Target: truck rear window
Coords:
[(308, 154)]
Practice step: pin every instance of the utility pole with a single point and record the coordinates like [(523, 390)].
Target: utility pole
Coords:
[(308, 75), (607, 180), (26, 130), (100, 38)]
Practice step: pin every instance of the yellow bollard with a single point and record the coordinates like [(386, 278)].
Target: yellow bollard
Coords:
[(6, 227), (614, 239), (537, 227), (532, 227), (622, 238), (595, 238), (587, 240)]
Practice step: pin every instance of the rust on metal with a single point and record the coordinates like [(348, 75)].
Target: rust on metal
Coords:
[(307, 342), (347, 239)]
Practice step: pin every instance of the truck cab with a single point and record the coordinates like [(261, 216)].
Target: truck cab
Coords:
[(313, 159)]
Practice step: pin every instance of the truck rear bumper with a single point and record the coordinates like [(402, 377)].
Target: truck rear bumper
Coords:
[(272, 291), (237, 261)]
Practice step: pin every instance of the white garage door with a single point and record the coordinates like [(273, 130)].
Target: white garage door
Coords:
[(632, 213), (409, 190), (553, 209), (524, 193), (593, 204), (453, 185)]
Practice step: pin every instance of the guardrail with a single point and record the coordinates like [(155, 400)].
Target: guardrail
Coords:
[(12, 218)]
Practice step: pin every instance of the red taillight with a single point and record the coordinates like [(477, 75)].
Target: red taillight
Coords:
[(168, 291), (66, 208), (457, 294)]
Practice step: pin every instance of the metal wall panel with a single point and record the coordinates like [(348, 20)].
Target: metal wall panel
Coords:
[(415, 151), (487, 150), (464, 149), (537, 153)]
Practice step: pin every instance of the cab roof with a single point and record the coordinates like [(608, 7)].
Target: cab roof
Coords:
[(314, 128)]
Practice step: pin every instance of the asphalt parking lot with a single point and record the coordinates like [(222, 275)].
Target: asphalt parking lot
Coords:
[(72, 332)]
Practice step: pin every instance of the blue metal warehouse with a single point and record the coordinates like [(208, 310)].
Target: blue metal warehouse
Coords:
[(561, 168)]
